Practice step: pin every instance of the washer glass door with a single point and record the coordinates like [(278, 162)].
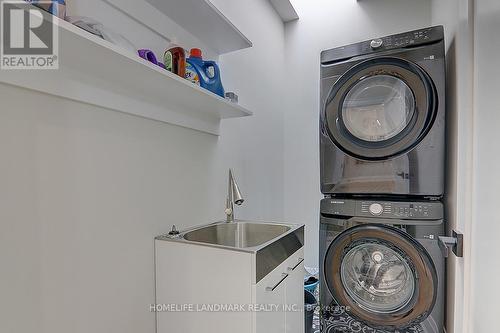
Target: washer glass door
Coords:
[(385, 277), (377, 277)]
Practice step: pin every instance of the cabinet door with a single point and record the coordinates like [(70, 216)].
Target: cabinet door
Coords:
[(294, 292), (271, 293)]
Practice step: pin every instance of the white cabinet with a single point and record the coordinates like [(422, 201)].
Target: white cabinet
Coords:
[(282, 291), (294, 291), (270, 292), (191, 278)]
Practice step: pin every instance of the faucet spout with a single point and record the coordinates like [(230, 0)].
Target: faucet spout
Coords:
[(233, 197)]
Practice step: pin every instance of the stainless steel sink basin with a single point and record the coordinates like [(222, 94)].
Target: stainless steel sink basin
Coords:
[(237, 235), (272, 243)]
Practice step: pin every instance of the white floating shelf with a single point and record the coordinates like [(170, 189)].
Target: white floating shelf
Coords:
[(202, 19), (285, 10), (94, 71)]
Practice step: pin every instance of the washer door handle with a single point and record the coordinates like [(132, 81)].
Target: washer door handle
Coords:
[(455, 243)]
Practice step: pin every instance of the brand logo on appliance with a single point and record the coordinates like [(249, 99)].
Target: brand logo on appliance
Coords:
[(337, 202)]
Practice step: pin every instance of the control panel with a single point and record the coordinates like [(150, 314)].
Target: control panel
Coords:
[(408, 39), (402, 40), (430, 210), (395, 209)]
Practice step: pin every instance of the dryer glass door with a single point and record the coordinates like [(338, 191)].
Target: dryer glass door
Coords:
[(380, 108), (385, 277)]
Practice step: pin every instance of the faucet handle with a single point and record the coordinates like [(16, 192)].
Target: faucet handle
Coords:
[(174, 231)]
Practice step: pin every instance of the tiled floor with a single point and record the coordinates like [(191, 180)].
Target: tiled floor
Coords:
[(316, 324), (343, 323), (316, 321)]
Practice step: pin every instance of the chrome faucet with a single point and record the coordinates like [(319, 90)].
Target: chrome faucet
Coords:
[(233, 197)]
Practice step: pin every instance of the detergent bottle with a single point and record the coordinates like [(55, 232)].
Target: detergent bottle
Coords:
[(175, 60), (203, 73)]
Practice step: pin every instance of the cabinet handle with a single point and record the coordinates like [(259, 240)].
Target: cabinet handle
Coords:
[(293, 268), (285, 275)]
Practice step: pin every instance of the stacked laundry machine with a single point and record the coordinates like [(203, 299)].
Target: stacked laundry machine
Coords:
[(382, 150)]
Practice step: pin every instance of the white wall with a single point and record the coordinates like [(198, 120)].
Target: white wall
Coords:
[(325, 24), (456, 16), (472, 28), (256, 75), (84, 190), (485, 270)]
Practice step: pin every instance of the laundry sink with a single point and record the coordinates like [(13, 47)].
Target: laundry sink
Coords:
[(237, 234), (237, 262), (270, 242)]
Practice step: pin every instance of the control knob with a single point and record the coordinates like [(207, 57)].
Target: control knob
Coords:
[(376, 43), (376, 209)]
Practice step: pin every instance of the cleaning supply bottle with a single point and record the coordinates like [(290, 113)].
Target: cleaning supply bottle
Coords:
[(204, 73), (175, 60)]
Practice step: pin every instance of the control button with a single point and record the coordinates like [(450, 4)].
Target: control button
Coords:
[(376, 209), (376, 43)]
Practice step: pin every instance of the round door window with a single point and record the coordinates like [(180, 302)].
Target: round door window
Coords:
[(377, 277), (385, 277), (380, 108)]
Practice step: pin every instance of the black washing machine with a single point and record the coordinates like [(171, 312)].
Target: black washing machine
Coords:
[(382, 123), (381, 268)]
